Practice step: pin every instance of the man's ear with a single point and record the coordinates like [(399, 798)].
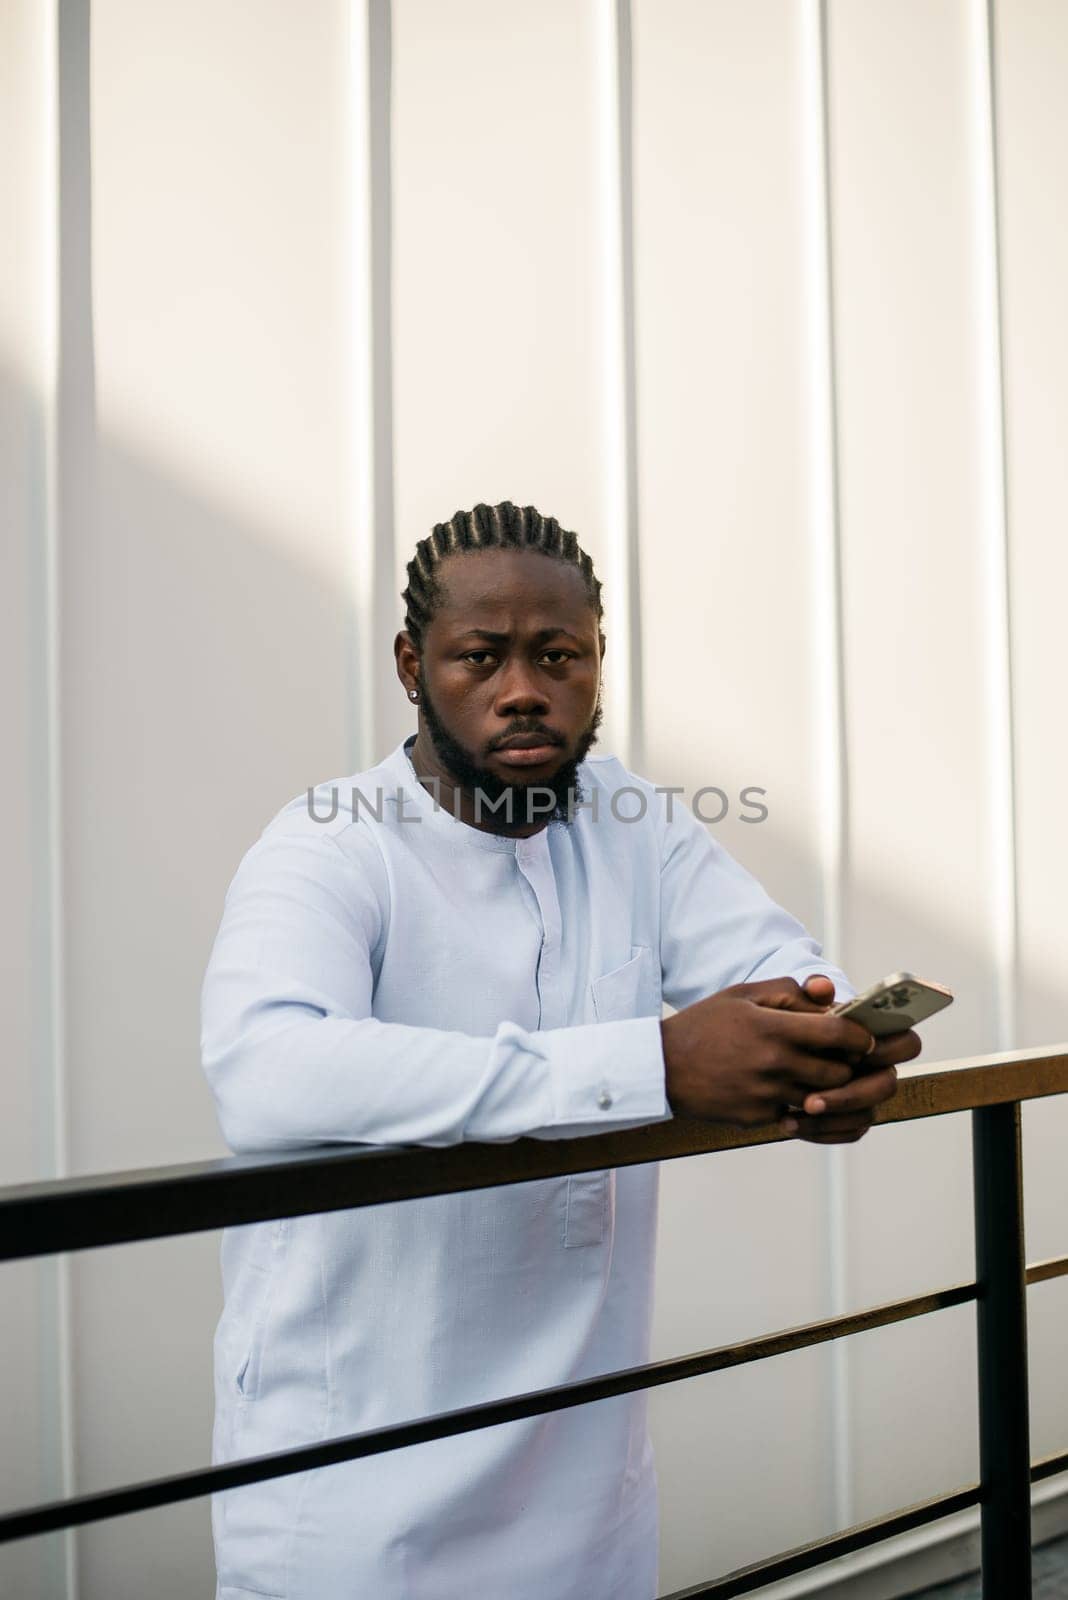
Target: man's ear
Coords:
[(406, 656)]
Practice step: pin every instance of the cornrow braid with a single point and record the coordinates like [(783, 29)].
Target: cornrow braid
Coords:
[(500, 527)]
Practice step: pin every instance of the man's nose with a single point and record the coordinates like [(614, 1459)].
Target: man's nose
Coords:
[(520, 691)]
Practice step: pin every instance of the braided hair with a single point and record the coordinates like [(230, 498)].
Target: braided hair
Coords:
[(500, 527)]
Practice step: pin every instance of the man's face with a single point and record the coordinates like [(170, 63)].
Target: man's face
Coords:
[(514, 650)]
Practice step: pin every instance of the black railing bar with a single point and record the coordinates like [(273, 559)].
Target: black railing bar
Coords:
[(76, 1510), (1001, 1351), (771, 1571), (806, 1556), (1049, 1466), (124, 1207), (39, 1219), (1042, 1271)]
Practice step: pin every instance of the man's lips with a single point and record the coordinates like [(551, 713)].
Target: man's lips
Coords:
[(526, 752)]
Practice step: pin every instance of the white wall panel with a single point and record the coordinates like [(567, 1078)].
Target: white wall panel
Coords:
[(723, 385), (35, 1458), (723, 214), (205, 633), (904, 143), (1031, 39), (497, 328)]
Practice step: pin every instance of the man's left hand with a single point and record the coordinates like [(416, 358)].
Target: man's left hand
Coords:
[(842, 1116)]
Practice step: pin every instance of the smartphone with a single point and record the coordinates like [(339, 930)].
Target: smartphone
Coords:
[(897, 1003)]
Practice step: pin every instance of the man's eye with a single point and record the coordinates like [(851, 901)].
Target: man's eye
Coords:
[(564, 655)]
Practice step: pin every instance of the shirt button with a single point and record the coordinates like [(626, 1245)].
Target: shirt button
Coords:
[(604, 1099)]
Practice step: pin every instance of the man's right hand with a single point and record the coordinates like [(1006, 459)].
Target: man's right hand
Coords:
[(745, 1054)]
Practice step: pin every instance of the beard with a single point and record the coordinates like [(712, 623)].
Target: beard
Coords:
[(514, 805)]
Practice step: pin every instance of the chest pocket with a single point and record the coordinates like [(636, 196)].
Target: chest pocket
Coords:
[(626, 991)]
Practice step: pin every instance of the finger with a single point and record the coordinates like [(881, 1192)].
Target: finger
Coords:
[(894, 1048), (819, 1032), (866, 1091), (801, 1074), (820, 988), (778, 994)]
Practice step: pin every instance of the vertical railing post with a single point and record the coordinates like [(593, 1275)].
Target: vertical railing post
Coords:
[(1001, 1308)]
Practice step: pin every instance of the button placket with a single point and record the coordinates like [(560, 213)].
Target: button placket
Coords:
[(532, 858), (587, 1194)]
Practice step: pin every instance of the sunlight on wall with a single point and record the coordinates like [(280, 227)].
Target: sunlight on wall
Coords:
[(220, 254)]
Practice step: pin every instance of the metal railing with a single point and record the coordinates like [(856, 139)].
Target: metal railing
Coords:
[(77, 1214)]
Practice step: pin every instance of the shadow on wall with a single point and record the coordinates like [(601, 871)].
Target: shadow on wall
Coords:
[(204, 683)]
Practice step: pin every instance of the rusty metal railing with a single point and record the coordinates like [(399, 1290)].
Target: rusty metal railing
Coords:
[(78, 1214)]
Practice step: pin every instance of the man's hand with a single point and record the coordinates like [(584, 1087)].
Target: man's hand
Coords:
[(842, 1116), (744, 1055), (796, 1062)]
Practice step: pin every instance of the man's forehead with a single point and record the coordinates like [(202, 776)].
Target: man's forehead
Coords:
[(521, 614), (484, 608), (492, 594)]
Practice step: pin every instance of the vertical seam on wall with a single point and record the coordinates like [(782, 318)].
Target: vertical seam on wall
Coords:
[(372, 545), (360, 495), (380, 101), (828, 636), (49, 1012), (625, 124), (615, 283), (998, 633)]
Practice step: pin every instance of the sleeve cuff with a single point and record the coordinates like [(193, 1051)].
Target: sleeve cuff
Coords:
[(611, 1074)]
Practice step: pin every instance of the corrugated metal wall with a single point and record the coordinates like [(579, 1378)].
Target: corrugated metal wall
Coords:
[(764, 300)]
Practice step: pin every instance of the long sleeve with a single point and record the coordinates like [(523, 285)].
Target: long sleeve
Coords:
[(294, 1056), (719, 926)]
